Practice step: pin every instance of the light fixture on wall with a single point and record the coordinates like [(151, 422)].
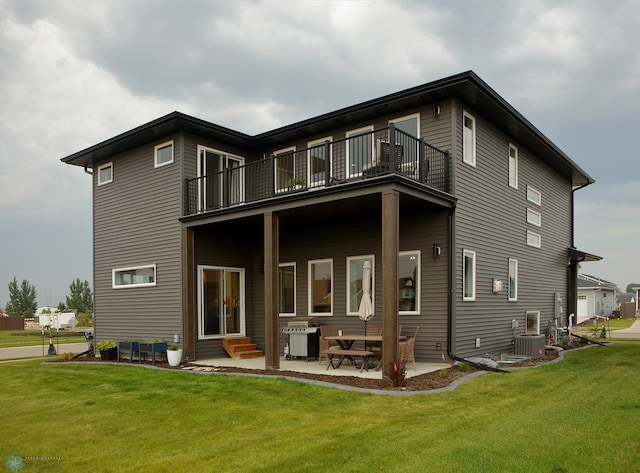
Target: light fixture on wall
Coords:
[(436, 110), (437, 251)]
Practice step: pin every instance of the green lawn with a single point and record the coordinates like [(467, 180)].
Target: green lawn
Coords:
[(23, 338), (578, 415)]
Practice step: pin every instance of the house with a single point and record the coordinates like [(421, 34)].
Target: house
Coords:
[(463, 209), (596, 297), (626, 305)]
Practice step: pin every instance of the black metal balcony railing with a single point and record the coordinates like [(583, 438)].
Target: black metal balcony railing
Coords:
[(356, 157)]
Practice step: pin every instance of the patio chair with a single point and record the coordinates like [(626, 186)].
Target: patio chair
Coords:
[(406, 349), (327, 331), (376, 347)]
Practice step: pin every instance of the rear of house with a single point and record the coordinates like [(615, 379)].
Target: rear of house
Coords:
[(463, 209)]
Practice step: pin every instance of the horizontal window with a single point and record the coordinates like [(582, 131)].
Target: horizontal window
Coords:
[(534, 218), (163, 154), (533, 239), (138, 276), (534, 196), (105, 174)]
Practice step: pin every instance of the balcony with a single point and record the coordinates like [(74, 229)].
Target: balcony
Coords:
[(332, 163)]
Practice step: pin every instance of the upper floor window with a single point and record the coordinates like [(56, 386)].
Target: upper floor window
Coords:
[(409, 282), (534, 218), (534, 196), (288, 174), (356, 281), (513, 166), (319, 160), (534, 239), (163, 153), (138, 276), (321, 287), (468, 275), (359, 150), (287, 289), (105, 174), (469, 139)]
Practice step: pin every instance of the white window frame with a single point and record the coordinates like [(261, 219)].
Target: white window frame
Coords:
[(469, 141), (133, 268), (288, 314), (362, 258), (310, 287), (241, 300), (312, 144), (349, 134), (534, 196), (471, 255), (100, 169), (417, 284), (534, 217), (284, 186), (407, 118), (535, 314), (534, 239), (513, 276), (513, 166), (156, 155)]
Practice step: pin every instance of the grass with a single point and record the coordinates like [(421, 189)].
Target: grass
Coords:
[(25, 338), (573, 416)]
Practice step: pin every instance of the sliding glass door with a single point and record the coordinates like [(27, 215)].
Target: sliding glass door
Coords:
[(220, 302)]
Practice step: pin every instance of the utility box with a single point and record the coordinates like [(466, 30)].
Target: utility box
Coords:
[(531, 345)]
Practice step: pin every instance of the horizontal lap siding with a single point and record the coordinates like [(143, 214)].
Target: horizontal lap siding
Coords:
[(136, 223), (491, 220)]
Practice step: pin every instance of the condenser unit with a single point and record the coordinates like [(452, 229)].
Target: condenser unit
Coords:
[(529, 345)]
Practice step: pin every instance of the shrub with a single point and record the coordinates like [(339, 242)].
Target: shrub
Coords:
[(398, 374)]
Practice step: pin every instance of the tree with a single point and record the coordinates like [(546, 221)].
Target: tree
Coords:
[(631, 286), (80, 297), (22, 300)]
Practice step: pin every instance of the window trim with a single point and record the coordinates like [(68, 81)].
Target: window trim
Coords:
[(295, 293), (407, 118), (417, 284), (132, 268), (472, 161), (347, 135), (282, 186), (536, 314), (100, 168), (537, 221), (531, 192), (371, 258), (310, 263), (157, 148), (513, 166), (536, 236), (513, 274), (314, 144), (472, 256)]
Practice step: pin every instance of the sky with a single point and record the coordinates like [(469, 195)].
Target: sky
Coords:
[(76, 72)]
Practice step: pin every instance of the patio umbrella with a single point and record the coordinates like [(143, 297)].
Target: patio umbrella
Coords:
[(365, 311)]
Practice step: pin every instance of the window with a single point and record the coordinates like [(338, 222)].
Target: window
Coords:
[(163, 154), (534, 196), (318, 161), (286, 175), (513, 279), (139, 276), (105, 174), (287, 289), (409, 282), (534, 218), (513, 166), (533, 322), (534, 239), (359, 150), (468, 275), (221, 301), (410, 145), (320, 287), (469, 139), (355, 265), (213, 191)]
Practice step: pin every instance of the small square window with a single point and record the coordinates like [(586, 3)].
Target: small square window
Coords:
[(534, 218), (163, 154), (105, 174), (533, 239), (534, 196)]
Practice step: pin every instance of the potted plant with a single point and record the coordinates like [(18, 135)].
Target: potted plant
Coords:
[(174, 354), (107, 349), (297, 183)]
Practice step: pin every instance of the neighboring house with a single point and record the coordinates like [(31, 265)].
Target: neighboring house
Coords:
[(462, 207), (596, 297), (626, 305)]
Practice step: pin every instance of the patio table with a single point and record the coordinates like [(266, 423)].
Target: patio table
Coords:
[(346, 344)]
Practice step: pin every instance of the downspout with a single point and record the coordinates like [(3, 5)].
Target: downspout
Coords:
[(573, 265), (88, 172), (451, 285)]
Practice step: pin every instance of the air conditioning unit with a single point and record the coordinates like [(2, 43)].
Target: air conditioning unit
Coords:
[(531, 345)]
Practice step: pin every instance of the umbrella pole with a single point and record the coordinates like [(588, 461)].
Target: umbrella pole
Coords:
[(365, 334)]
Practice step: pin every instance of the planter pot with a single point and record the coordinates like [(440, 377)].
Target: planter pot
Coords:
[(152, 348), (174, 357), (109, 354)]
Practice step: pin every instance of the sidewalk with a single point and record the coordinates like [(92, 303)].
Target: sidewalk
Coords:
[(631, 332), (38, 350)]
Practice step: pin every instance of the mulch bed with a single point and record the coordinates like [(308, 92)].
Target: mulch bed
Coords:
[(424, 382)]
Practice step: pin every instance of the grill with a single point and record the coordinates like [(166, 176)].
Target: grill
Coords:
[(303, 337)]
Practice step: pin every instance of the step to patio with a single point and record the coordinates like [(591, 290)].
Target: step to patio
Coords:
[(241, 348)]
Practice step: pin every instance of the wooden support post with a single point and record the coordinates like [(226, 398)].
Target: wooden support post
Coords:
[(390, 249), (271, 259)]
